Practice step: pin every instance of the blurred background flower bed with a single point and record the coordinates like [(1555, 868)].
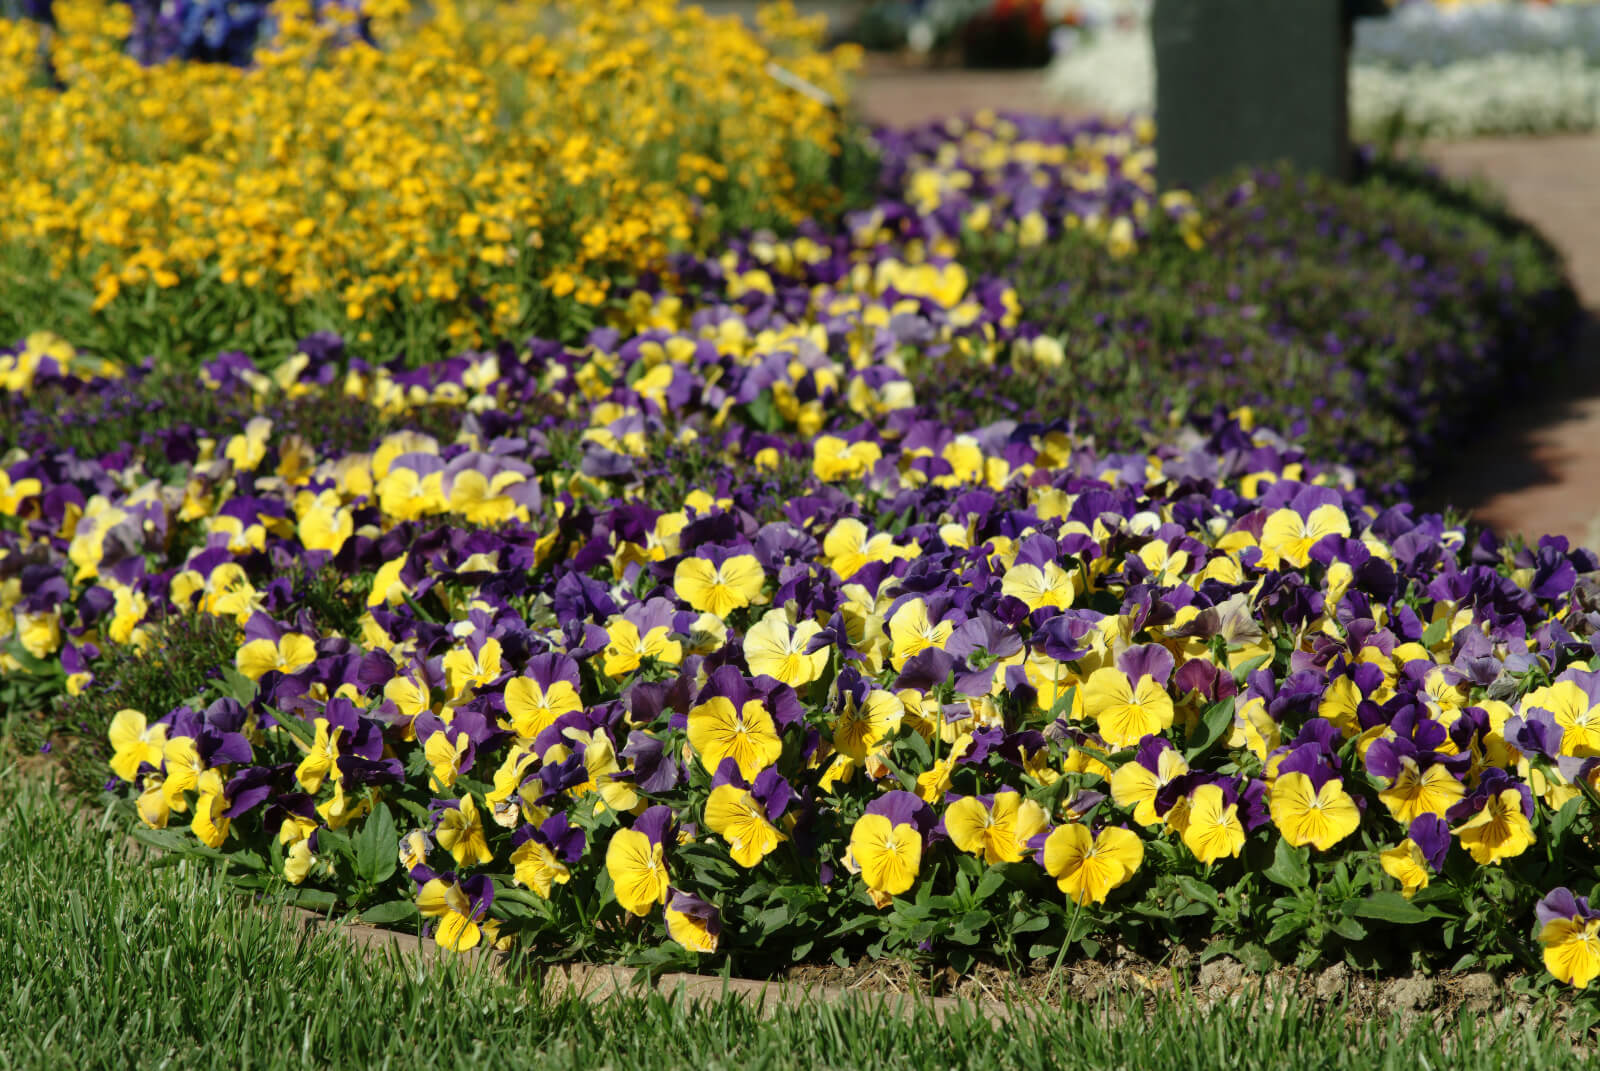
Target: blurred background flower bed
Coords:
[(831, 593), (1427, 68), (1371, 322), (422, 179)]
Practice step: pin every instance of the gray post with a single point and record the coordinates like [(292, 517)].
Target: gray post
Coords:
[(1244, 82)]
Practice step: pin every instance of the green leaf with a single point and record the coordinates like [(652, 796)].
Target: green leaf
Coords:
[(181, 844), (1390, 907), (989, 884), (337, 842), (417, 811), (386, 914), (654, 962), (1214, 722), (296, 727), (312, 899), (168, 840), (1350, 929), (236, 685), (40, 667), (1249, 666), (907, 781), (1562, 820), (763, 412), (1063, 703), (1285, 926), (1255, 957), (1289, 867), (1198, 891), (1434, 634), (918, 747), (377, 846)]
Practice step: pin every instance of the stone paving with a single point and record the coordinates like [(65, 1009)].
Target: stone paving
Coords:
[(1536, 467)]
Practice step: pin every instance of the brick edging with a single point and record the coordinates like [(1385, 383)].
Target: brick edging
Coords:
[(599, 982)]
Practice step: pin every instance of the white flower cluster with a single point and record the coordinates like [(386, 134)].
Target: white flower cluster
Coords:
[(1112, 70), (1508, 93), (1434, 70), (1433, 35)]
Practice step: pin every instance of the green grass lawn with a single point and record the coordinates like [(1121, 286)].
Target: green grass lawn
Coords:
[(114, 959)]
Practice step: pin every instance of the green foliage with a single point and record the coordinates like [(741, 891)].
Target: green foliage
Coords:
[(183, 325), (183, 655), (1370, 323), (118, 963), (156, 407)]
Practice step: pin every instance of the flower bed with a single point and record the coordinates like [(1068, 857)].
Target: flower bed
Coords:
[(707, 636), (1373, 322), (1425, 69), (1420, 33), (465, 178)]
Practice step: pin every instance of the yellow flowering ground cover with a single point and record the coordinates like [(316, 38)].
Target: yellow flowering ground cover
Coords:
[(481, 170)]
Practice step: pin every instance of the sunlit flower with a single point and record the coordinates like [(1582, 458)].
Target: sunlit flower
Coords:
[(1136, 783), (1212, 829), (693, 923), (465, 668), (1087, 866), (746, 734), (444, 751), (996, 830), (1040, 586), (289, 653), (1500, 828), (320, 760), (628, 649), (837, 460), (1126, 710), (636, 861), (210, 822), (888, 854), (460, 832), (722, 586), (1575, 710), (1289, 537), (134, 743), (1570, 933), (460, 907), (547, 690), (1307, 814), (776, 647), (1417, 791), (911, 631), (541, 859), (738, 817)]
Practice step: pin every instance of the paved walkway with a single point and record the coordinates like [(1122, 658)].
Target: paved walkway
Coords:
[(1536, 468), (903, 94)]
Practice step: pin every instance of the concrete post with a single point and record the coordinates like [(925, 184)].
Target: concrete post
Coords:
[(1242, 82)]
